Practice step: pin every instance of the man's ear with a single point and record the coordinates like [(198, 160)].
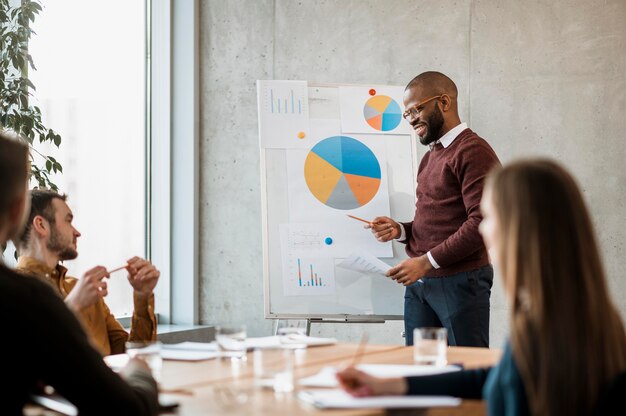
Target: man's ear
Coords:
[(40, 225), (446, 102)]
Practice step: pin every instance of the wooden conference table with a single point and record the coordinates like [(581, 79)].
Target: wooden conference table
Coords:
[(225, 386)]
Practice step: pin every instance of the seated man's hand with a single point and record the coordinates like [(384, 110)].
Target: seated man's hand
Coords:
[(142, 275), (88, 290)]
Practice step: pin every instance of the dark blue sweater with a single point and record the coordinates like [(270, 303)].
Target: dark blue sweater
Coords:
[(500, 386)]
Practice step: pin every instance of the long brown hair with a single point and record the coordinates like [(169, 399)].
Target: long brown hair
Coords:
[(567, 337)]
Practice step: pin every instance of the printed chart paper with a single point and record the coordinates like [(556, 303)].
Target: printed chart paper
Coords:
[(283, 114), (376, 109), (308, 270), (365, 263), (340, 175)]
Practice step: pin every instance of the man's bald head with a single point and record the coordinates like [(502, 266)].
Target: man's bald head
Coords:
[(434, 83), (430, 103)]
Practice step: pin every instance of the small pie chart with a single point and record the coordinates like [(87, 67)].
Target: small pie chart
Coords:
[(382, 113), (342, 173)]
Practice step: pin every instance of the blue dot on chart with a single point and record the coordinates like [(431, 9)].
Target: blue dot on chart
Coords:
[(328, 241)]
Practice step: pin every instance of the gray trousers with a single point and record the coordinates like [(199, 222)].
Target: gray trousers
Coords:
[(459, 302)]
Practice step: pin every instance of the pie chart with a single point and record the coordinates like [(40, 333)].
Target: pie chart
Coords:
[(382, 113), (342, 173)]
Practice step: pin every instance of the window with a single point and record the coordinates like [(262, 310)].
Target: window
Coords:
[(90, 80)]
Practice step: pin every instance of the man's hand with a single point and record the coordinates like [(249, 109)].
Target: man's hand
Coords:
[(410, 270), (142, 275), (88, 290), (384, 229)]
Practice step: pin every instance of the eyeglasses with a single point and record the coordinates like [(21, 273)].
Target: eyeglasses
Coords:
[(415, 110)]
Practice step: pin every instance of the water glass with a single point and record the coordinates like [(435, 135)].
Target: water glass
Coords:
[(430, 346), (148, 351), (273, 367), (292, 334), (232, 339)]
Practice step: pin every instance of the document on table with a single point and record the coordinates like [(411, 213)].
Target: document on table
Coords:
[(326, 376), (365, 263), (274, 341), (199, 351), (192, 346), (338, 399)]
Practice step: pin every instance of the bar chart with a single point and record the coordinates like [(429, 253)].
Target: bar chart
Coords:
[(309, 280)]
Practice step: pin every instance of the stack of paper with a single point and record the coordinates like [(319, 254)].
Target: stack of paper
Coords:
[(338, 399), (198, 351), (326, 376), (191, 351), (274, 341)]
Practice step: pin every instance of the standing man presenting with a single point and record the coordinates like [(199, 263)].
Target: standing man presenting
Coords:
[(448, 277)]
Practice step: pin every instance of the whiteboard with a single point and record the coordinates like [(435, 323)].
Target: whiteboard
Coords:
[(357, 297)]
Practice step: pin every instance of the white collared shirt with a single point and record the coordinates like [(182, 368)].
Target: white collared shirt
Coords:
[(445, 140)]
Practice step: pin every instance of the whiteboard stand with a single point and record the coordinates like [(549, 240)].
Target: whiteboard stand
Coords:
[(371, 301)]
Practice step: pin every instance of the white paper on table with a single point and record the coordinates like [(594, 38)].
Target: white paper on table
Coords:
[(274, 341), (191, 346), (365, 263), (283, 114), (186, 355), (326, 376), (338, 399), (116, 361)]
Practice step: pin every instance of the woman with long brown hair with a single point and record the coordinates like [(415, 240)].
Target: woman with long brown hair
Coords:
[(567, 341)]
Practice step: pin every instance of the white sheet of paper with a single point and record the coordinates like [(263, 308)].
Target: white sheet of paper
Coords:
[(380, 113), (326, 376), (274, 341), (365, 263), (307, 270), (190, 355), (326, 184), (338, 399), (283, 113), (331, 240), (192, 346), (116, 361)]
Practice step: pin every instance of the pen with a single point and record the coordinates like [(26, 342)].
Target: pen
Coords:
[(359, 219), (117, 269), (355, 360), (359, 352)]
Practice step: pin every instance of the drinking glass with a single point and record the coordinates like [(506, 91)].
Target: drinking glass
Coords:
[(430, 346), (273, 367), (232, 338), (292, 334), (148, 351)]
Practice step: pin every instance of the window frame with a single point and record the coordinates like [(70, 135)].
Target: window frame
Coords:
[(172, 174)]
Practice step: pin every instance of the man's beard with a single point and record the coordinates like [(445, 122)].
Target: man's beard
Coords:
[(56, 245), (435, 125)]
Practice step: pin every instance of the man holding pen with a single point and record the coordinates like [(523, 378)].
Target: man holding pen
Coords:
[(42, 342), (49, 238), (448, 277)]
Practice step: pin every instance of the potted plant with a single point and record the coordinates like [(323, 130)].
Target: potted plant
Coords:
[(16, 110)]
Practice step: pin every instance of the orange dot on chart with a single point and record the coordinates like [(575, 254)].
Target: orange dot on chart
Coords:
[(301, 135), (372, 91)]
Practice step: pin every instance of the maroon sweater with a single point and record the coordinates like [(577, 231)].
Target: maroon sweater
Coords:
[(447, 212)]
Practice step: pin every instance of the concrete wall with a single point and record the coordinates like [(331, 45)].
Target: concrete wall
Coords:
[(535, 78)]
